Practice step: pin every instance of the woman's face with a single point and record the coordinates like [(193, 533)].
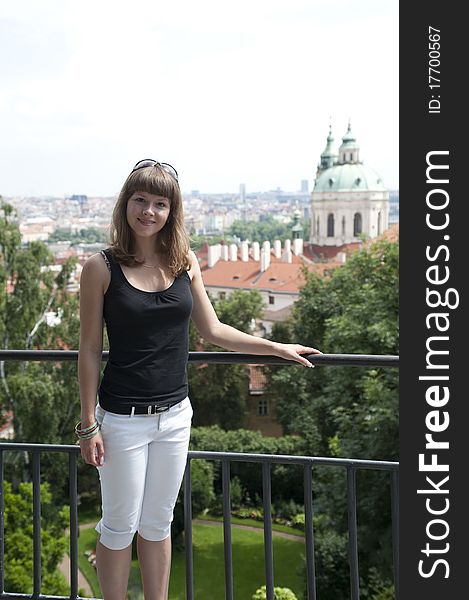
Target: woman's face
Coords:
[(147, 213)]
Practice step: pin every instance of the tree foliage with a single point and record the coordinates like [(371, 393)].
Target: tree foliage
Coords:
[(279, 594), (90, 235), (37, 312), (347, 412), (18, 561), (266, 228), (202, 496), (219, 392), (287, 480)]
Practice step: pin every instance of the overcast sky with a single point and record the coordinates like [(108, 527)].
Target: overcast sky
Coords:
[(228, 92)]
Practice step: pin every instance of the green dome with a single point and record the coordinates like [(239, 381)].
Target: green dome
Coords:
[(349, 177)]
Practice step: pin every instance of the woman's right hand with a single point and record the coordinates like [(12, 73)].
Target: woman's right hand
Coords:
[(92, 450)]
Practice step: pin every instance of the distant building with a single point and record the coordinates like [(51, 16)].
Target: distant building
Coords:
[(274, 271), (304, 186), (36, 229), (82, 201), (349, 199), (242, 192)]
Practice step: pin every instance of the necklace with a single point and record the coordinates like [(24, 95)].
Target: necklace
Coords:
[(149, 266)]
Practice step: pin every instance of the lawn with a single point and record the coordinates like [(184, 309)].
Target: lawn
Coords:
[(209, 582), (248, 564), (87, 541), (252, 523)]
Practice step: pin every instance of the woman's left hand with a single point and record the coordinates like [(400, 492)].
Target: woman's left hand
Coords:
[(294, 352)]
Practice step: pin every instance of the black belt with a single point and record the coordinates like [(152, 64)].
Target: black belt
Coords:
[(138, 409)]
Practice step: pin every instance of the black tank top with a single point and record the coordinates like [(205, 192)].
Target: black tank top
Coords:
[(148, 341)]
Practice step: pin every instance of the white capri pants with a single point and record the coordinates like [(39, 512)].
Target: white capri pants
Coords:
[(144, 461)]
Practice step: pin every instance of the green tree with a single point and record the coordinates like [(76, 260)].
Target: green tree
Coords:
[(219, 392), (279, 594), (90, 235), (19, 541), (287, 480), (348, 411), (267, 228), (202, 496), (354, 310), (42, 396), (197, 241)]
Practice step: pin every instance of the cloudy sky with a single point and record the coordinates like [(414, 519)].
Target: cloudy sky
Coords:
[(228, 92)]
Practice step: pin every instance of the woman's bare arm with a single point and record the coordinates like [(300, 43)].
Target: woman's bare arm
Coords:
[(225, 336), (93, 283)]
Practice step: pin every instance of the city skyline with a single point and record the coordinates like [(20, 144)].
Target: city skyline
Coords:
[(229, 94)]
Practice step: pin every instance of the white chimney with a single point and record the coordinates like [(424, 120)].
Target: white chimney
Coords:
[(213, 255), (277, 248), (224, 252), (266, 248), (233, 252), (263, 260), (256, 251), (287, 253), (298, 246), (244, 251)]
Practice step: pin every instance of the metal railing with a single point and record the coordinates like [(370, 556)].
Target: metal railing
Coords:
[(352, 466), (267, 460), (36, 450)]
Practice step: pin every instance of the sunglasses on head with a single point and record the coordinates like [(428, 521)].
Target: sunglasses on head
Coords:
[(149, 162)]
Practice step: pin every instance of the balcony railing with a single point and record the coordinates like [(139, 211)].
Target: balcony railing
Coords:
[(351, 466)]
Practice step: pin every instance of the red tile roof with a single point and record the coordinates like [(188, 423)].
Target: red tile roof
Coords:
[(257, 379), (279, 276)]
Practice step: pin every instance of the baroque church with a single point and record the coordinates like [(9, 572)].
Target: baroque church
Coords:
[(349, 203), (349, 200)]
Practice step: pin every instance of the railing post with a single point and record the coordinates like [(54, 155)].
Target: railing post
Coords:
[(72, 474), (268, 550), (309, 535), (227, 530), (2, 527), (395, 529), (352, 532), (36, 523), (188, 532)]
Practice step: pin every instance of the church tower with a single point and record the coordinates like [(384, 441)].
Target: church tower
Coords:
[(349, 199)]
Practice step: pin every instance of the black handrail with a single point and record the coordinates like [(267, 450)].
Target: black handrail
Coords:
[(350, 360)]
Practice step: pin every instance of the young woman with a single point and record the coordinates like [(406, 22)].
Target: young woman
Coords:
[(145, 287)]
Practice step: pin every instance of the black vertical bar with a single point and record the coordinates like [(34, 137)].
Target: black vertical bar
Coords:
[(352, 532), (188, 532), (72, 473), (395, 528), (2, 527), (36, 523), (268, 551), (309, 535), (227, 530)]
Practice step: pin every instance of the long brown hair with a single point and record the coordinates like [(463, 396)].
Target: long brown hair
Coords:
[(172, 241)]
